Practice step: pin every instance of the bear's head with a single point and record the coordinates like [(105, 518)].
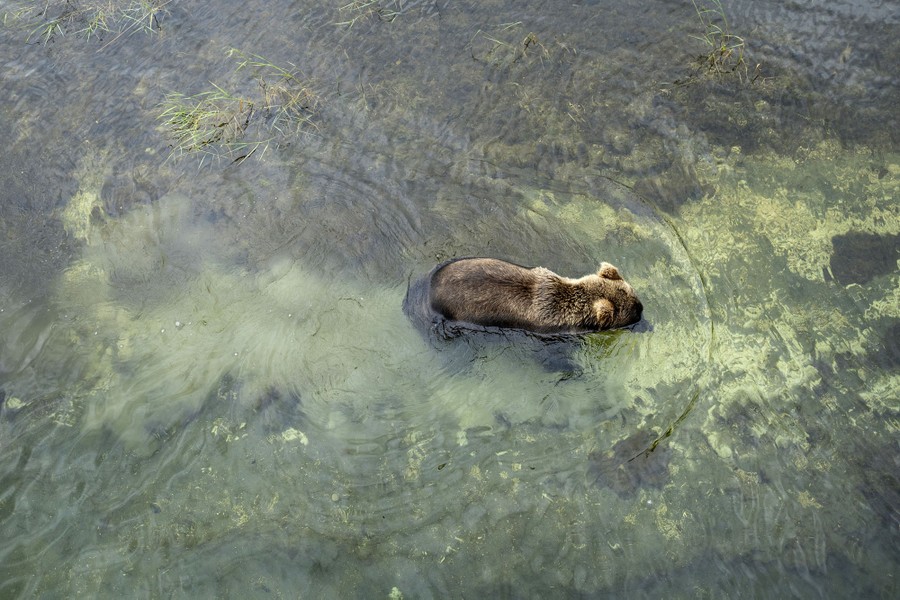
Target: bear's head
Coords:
[(617, 304)]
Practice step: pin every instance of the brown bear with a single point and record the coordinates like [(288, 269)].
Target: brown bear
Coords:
[(489, 292)]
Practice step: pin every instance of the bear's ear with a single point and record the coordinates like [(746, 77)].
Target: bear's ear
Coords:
[(608, 271), (603, 310)]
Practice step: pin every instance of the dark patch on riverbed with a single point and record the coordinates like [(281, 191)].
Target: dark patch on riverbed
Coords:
[(629, 465), (860, 257)]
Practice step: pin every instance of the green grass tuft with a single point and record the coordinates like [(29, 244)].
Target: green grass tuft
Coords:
[(725, 51), (221, 124), (383, 10), (50, 19)]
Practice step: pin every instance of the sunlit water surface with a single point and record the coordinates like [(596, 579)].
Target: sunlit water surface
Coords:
[(208, 386)]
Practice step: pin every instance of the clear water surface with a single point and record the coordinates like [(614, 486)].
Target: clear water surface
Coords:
[(207, 384)]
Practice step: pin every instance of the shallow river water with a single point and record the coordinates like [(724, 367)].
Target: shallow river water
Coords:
[(208, 387)]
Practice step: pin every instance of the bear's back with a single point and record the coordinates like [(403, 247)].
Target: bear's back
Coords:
[(473, 293), (486, 291)]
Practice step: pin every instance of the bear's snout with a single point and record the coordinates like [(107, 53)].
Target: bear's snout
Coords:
[(629, 313), (637, 311)]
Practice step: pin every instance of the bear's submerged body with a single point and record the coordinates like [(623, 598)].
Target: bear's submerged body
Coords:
[(488, 292)]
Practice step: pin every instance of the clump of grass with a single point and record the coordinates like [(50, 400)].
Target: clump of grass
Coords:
[(98, 23), (143, 15), (383, 10), (359, 10), (199, 122), (218, 123), (44, 23), (725, 51), (287, 99), (50, 19), (503, 53)]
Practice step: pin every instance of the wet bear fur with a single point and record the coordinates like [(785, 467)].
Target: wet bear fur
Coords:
[(488, 292)]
